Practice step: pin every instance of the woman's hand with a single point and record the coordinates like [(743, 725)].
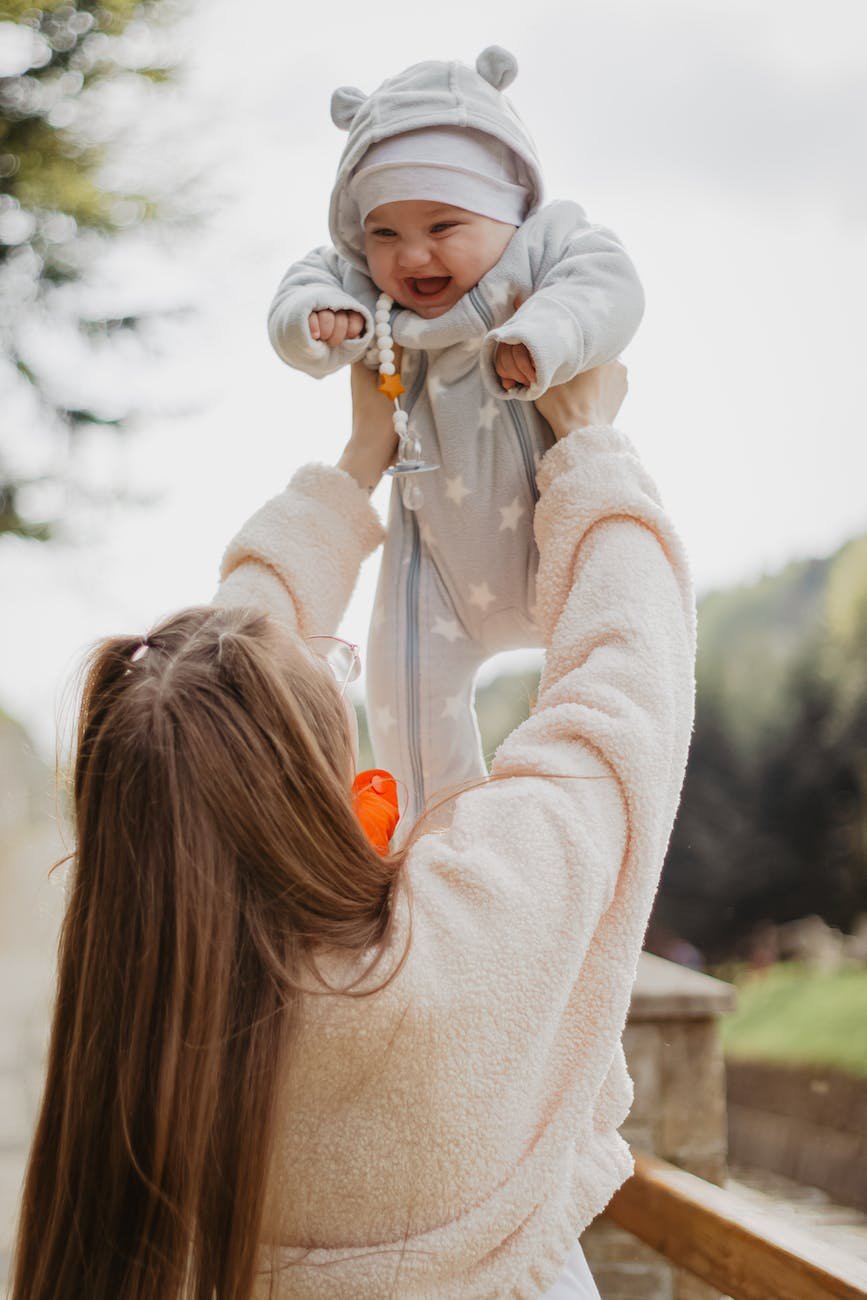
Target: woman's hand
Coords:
[(594, 397), (373, 445)]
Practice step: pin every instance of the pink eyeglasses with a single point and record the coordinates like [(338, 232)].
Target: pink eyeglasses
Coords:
[(342, 657)]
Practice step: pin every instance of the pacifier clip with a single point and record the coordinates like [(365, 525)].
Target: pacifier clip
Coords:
[(409, 458)]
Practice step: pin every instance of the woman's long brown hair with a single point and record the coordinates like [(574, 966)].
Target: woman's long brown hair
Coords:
[(216, 846)]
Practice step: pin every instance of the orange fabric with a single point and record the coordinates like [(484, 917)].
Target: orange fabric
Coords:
[(374, 794)]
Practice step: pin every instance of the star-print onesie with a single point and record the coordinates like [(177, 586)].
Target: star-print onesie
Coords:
[(458, 577)]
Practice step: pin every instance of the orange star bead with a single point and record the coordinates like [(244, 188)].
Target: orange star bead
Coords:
[(391, 386)]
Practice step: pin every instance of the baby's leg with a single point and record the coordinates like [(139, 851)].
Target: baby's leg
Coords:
[(420, 674)]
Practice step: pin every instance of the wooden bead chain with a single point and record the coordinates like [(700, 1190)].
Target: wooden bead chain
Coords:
[(382, 355)]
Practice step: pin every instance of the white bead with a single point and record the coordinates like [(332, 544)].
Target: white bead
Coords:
[(382, 331), (384, 301), (381, 315), (386, 354), (400, 425), (387, 369)]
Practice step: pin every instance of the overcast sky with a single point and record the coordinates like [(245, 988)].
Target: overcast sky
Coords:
[(724, 142)]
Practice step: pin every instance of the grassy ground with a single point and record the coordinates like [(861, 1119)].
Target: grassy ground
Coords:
[(796, 1015)]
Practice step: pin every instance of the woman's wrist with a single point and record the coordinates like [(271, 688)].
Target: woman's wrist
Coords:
[(364, 460), (373, 444), (592, 398)]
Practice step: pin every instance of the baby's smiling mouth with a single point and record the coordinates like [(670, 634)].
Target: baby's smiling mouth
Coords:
[(428, 286)]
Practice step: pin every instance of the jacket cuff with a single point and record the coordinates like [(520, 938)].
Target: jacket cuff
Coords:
[(289, 330), (553, 338)]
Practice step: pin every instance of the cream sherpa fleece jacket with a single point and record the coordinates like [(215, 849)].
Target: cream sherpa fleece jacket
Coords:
[(449, 1137)]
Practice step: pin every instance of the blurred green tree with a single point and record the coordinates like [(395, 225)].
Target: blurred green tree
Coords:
[(773, 820), (57, 214)]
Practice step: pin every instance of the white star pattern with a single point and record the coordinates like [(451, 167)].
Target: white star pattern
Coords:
[(435, 387), (456, 491), (509, 515), (453, 707), (481, 595), (487, 415), (385, 719), (448, 628)]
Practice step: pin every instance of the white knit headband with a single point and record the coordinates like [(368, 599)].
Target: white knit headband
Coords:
[(460, 166)]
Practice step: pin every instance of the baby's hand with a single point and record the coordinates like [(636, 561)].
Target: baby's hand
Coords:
[(514, 365), (333, 327)]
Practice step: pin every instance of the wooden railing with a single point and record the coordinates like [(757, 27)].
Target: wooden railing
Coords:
[(746, 1252)]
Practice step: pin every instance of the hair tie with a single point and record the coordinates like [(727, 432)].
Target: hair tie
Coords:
[(374, 795)]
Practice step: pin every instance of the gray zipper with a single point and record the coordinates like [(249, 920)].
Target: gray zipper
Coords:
[(515, 409), (412, 600)]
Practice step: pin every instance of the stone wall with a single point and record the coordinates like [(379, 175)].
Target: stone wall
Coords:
[(675, 1059), (802, 1121)]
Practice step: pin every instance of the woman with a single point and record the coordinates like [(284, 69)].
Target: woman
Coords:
[(285, 1064)]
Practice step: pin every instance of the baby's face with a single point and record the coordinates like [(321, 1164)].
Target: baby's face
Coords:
[(427, 255)]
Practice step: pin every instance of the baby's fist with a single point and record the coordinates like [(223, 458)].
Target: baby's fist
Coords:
[(334, 327), (514, 365)]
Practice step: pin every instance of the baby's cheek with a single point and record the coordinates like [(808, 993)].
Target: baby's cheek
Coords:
[(379, 268)]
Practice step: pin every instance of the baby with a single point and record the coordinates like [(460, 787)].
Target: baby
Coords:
[(438, 203)]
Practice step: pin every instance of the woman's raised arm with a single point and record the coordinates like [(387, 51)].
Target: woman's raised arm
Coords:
[(298, 556)]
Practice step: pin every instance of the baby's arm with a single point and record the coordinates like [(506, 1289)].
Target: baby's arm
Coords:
[(586, 304), (316, 313)]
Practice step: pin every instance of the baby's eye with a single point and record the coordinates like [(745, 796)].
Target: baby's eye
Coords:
[(442, 225), (382, 232)]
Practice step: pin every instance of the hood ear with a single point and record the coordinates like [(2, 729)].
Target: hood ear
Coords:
[(498, 67), (345, 103)]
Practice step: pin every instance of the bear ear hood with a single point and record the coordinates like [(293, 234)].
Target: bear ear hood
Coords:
[(498, 67), (427, 94)]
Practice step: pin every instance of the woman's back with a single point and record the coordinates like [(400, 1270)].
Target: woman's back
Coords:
[(462, 1122), (274, 1049)]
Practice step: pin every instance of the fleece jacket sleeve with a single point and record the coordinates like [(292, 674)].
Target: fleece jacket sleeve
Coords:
[(320, 280), (297, 558), (587, 302), (586, 789)]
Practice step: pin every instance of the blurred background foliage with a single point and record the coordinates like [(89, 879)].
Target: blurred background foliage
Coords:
[(773, 822), (60, 208)]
